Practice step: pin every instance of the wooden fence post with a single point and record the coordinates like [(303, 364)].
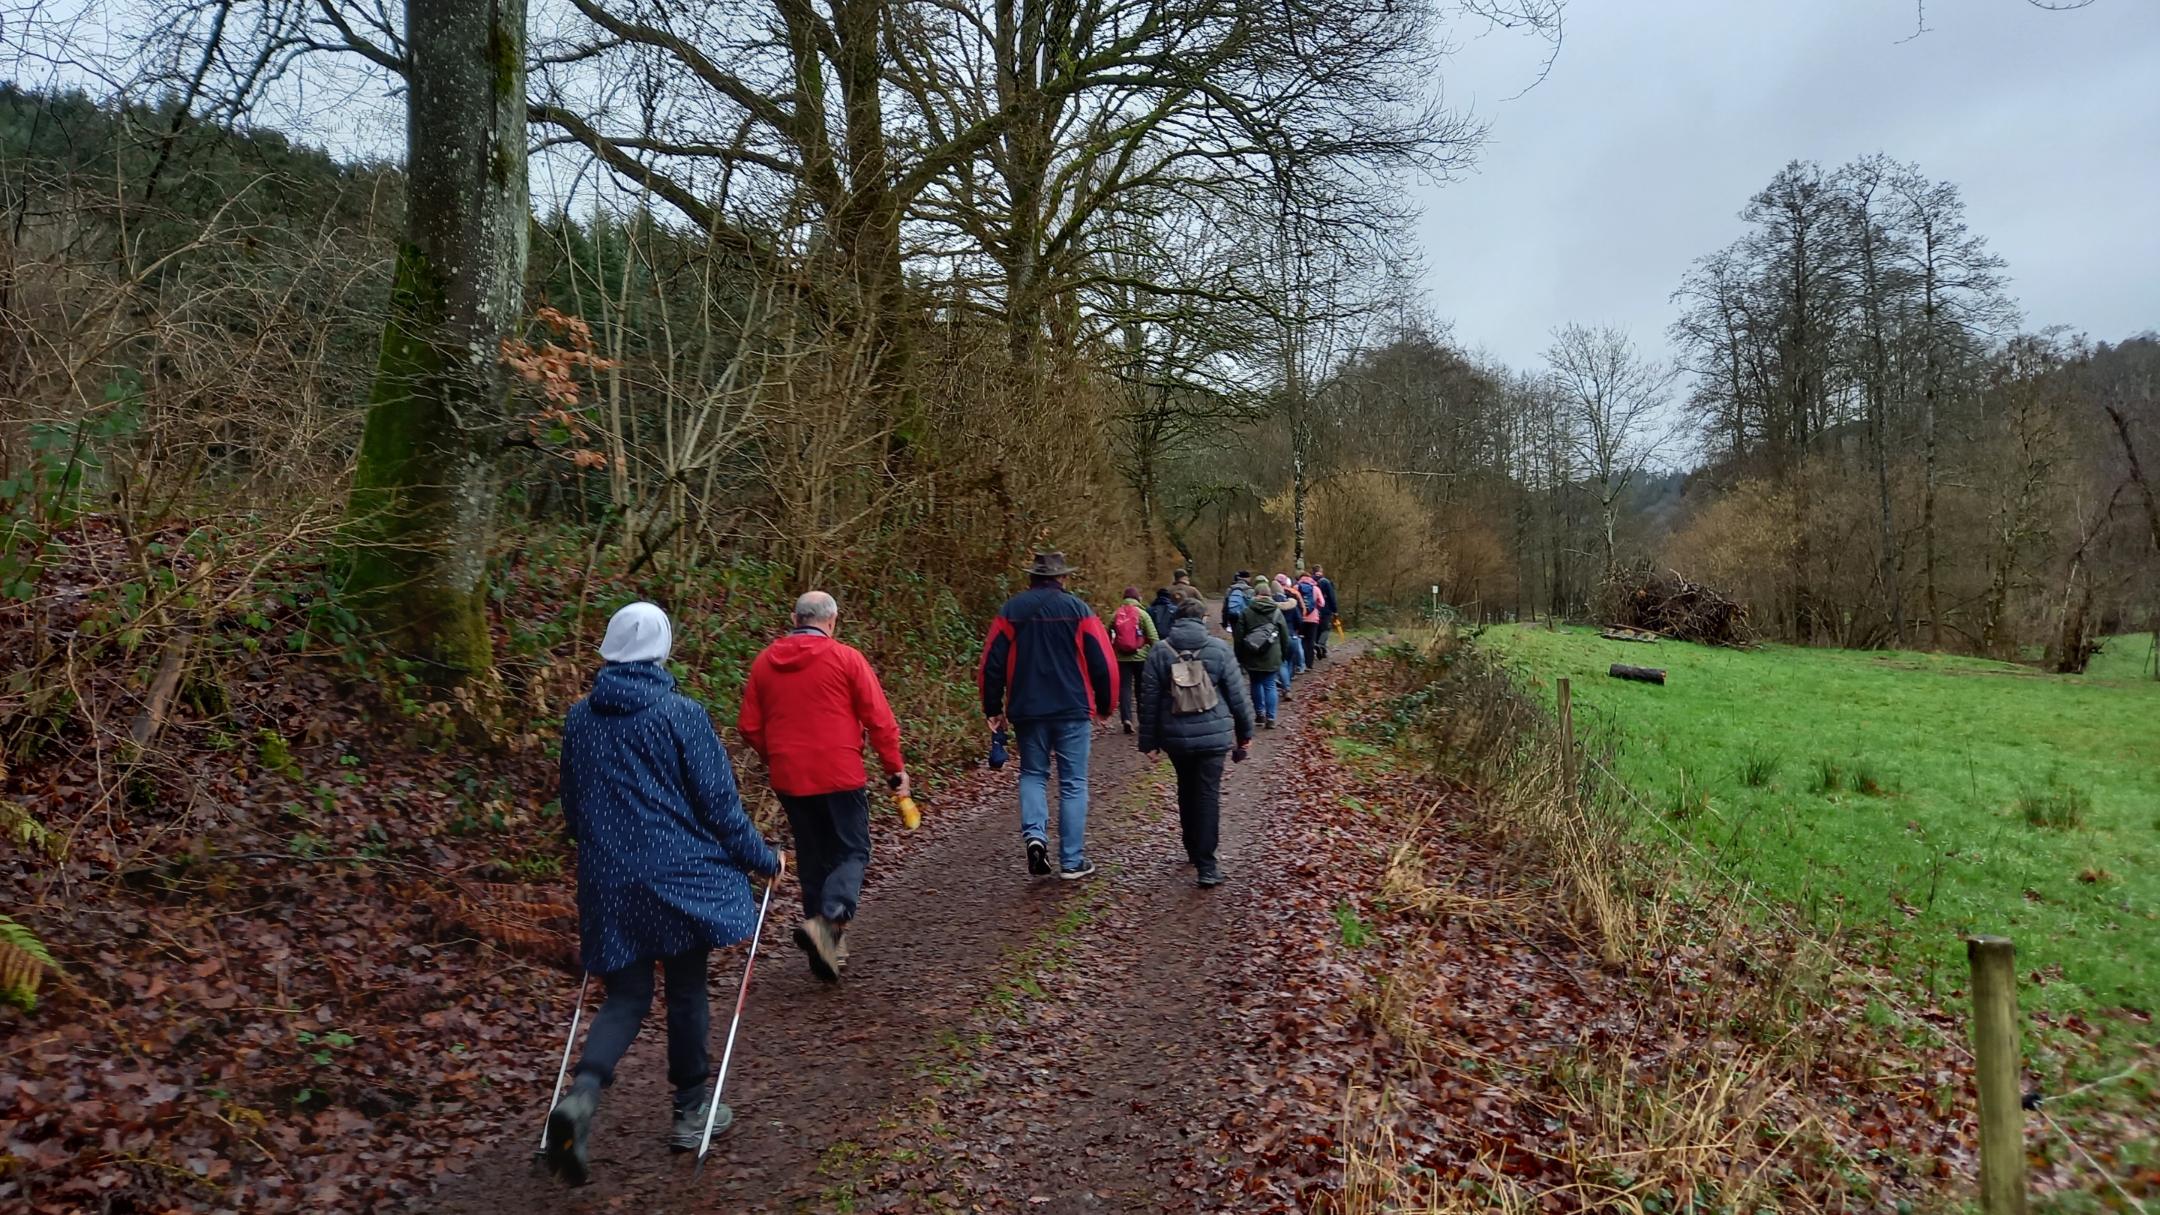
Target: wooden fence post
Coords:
[(1567, 734), (1995, 1047)]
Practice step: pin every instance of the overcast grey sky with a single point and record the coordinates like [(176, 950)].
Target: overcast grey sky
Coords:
[(1599, 186)]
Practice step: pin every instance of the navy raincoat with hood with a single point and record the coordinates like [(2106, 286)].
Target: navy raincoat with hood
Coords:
[(664, 845)]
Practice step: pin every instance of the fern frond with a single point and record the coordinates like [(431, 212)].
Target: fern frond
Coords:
[(12, 933)]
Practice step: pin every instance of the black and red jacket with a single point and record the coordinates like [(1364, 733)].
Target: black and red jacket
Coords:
[(1047, 658)]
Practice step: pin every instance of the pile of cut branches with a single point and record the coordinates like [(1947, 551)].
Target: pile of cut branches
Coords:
[(1672, 605)]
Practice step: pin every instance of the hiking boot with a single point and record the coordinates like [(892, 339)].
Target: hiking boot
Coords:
[(814, 937), (1210, 875), (1127, 723), (1074, 874), (569, 1128), (840, 944), (1038, 854), (689, 1131)]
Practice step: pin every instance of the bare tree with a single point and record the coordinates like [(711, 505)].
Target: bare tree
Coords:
[(1613, 407), (1960, 283), (1883, 289)]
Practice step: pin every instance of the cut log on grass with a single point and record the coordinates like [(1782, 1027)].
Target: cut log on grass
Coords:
[(1621, 670), (1621, 633)]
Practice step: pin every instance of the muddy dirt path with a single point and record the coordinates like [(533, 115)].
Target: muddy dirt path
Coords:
[(1110, 1092)]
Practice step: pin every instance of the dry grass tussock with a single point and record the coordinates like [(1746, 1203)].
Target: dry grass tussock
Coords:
[(1471, 722), (1718, 1131)]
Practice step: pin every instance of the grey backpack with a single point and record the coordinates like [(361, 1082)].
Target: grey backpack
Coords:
[(1192, 689)]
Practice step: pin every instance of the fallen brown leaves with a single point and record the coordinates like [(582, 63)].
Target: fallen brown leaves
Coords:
[(318, 950)]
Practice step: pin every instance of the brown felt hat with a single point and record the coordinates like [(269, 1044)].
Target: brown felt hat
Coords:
[(1050, 565)]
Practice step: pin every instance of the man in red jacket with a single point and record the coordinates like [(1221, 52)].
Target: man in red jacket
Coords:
[(809, 701)]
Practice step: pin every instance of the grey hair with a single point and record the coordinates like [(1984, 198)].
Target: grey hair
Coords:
[(816, 607)]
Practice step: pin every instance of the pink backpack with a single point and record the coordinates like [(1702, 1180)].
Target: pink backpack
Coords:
[(1125, 630)]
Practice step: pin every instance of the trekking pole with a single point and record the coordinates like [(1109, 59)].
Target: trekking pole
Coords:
[(742, 997), (584, 981)]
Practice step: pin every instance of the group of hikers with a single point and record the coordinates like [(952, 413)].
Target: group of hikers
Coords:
[(666, 849)]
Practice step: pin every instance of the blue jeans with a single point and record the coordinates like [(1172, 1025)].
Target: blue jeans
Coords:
[(1069, 741), (1297, 652), (1263, 692)]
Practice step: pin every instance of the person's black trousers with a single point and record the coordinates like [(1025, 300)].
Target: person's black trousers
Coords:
[(1199, 802), (1327, 629), (689, 1023), (1314, 651), (1128, 691), (832, 848)]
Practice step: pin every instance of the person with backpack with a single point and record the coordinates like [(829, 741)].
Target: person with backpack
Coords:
[(1132, 635), (1309, 602), (1286, 601), (1235, 599), (1163, 610), (1047, 668), (1194, 706), (1330, 608), (1259, 640)]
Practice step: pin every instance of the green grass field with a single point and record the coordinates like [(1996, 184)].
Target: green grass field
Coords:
[(2129, 658), (1933, 796)]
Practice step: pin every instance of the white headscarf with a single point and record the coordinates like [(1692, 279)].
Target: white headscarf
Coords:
[(637, 633)]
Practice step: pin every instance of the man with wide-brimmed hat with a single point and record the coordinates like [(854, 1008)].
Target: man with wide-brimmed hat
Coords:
[(1047, 667)]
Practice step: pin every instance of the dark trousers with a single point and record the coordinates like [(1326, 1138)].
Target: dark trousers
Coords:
[(832, 848), (689, 1023), (1327, 630), (1128, 690), (1310, 633), (1199, 802)]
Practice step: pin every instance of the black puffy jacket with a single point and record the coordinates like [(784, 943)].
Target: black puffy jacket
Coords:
[(1212, 732), (1163, 611)]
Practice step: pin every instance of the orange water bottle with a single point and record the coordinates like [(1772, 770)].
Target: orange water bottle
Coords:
[(910, 815)]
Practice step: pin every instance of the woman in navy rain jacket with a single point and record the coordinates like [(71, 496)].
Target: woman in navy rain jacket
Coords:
[(665, 851)]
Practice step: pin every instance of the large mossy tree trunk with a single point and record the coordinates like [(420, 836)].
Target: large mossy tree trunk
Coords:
[(422, 509)]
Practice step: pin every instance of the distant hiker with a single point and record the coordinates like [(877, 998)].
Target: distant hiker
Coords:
[(1235, 598), (1163, 610), (1309, 602), (1195, 706), (1330, 607), (1258, 642), (1294, 638), (664, 854), (1046, 668), (1132, 634), (1180, 577), (809, 702)]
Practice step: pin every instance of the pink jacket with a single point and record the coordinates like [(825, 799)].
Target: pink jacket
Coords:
[(1308, 591)]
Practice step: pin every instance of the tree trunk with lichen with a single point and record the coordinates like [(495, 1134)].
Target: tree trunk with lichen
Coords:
[(420, 518)]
